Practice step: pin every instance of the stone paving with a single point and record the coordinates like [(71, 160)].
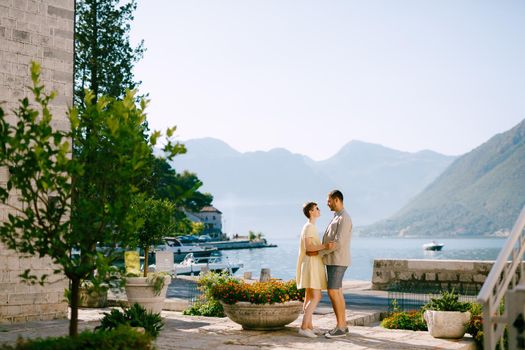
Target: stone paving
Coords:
[(189, 332)]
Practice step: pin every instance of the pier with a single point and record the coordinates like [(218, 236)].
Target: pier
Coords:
[(238, 244)]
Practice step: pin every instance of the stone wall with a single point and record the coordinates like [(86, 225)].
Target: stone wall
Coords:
[(430, 275), (39, 30)]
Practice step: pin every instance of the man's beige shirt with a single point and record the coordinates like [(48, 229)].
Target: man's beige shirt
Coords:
[(340, 231)]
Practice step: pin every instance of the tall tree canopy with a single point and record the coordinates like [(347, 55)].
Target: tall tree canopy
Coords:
[(182, 189), (104, 57), (69, 203)]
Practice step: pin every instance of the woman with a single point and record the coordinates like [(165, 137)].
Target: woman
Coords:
[(311, 272)]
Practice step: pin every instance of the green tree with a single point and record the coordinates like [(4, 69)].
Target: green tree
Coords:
[(197, 228), (156, 222), (182, 189), (67, 203), (104, 57)]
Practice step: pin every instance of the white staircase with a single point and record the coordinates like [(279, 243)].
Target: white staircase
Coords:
[(506, 279)]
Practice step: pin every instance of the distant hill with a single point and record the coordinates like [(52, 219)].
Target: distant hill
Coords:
[(481, 193), (380, 180), (264, 191)]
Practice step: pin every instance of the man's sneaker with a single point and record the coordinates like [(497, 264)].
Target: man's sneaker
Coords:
[(307, 333), (336, 333)]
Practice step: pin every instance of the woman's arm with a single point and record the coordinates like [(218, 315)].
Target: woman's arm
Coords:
[(310, 247)]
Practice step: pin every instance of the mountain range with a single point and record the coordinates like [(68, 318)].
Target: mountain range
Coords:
[(480, 193), (265, 190)]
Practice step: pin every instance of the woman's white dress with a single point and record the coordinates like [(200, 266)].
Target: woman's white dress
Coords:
[(311, 272)]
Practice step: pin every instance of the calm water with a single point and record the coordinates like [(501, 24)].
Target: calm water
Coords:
[(282, 260)]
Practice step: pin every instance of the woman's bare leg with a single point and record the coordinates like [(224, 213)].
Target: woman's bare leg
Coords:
[(310, 308)]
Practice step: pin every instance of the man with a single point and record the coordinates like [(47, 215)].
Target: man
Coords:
[(337, 259)]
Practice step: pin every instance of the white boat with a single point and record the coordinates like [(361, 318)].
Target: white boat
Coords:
[(192, 265), (433, 246), (180, 250)]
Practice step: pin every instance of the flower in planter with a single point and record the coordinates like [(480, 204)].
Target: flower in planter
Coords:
[(269, 292)]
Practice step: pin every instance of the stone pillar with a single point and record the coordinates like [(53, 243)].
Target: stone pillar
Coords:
[(42, 31), (265, 275)]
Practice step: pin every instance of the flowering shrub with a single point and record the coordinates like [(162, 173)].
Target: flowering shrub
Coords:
[(258, 293), (475, 328)]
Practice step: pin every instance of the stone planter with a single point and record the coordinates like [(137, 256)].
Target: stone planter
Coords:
[(92, 298), (446, 324), (263, 317), (138, 290)]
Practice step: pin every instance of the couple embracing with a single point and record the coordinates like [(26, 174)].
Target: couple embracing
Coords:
[(322, 265)]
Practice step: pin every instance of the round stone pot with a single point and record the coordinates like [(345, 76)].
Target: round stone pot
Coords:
[(263, 317), (92, 298), (138, 290), (446, 324)]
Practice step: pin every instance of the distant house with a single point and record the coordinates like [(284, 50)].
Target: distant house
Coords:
[(211, 217)]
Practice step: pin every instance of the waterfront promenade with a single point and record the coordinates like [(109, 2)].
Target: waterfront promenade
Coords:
[(189, 332)]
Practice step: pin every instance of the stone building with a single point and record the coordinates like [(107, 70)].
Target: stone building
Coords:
[(211, 217), (42, 31)]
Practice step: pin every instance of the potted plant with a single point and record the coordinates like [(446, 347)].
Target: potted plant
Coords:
[(93, 294), (266, 305), (156, 222), (446, 316)]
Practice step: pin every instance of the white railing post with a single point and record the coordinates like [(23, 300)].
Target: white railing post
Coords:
[(516, 317), (503, 277)]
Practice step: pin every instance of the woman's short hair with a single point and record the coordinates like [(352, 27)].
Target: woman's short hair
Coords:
[(307, 207)]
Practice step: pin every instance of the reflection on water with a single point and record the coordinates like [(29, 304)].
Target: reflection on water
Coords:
[(282, 260)]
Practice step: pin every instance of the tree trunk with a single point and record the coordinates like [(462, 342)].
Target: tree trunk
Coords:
[(146, 253), (73, 322)]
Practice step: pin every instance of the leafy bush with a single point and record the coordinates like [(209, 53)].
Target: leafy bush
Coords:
[(203, 307), (475, 326), (121, 338), (134, 316), (207, 305), (258, 293), (411, 320), (448, 301)]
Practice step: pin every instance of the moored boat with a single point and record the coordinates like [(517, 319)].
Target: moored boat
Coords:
[(192, 265), (180, 250), (434, 246)]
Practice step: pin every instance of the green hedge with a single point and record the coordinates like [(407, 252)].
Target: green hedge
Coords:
[(411, 320), (122, 338)]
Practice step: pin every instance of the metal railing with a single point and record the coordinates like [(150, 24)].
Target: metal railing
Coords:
[(502, 277)]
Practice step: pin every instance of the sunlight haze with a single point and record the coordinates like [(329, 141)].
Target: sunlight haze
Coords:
[(310, 76)]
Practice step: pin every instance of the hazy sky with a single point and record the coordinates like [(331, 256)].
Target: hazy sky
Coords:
[(310, 76)]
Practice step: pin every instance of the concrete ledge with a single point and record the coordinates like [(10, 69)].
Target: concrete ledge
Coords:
[(430, 275)]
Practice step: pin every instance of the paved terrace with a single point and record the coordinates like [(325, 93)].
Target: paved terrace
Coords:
[(189, 332)]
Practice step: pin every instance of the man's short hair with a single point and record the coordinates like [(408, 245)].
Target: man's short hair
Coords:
[(336, 194), (307, 207)]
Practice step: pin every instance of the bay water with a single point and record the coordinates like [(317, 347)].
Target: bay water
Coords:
[(282, 259)]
